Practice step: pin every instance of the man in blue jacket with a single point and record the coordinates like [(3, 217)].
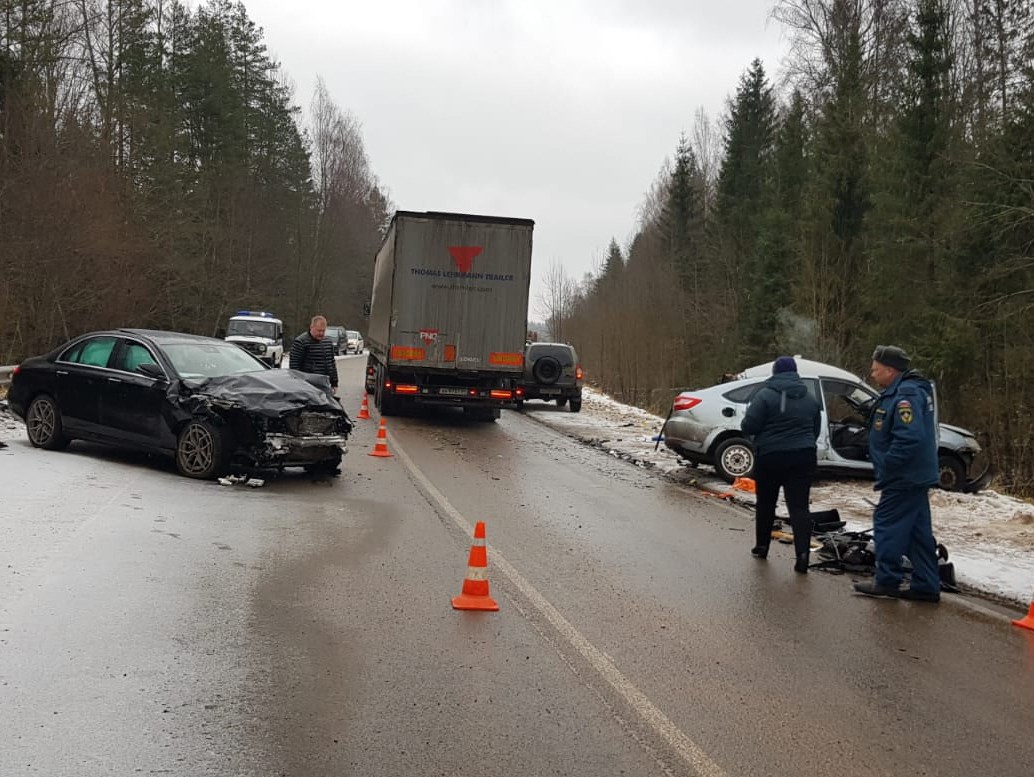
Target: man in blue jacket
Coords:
[(783, 420), (903, 449)]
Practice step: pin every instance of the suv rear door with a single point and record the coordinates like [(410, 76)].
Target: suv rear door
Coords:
[(550, 364)]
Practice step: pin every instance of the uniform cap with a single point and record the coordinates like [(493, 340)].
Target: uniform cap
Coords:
[(892, 356)]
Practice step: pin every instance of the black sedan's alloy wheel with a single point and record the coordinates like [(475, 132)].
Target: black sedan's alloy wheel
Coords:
[(201, 451), (43, 424)]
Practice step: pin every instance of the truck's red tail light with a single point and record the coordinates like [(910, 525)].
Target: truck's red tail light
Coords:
[(683, 402), (16, 370), (497, 394), (403, 388), (578, 374)]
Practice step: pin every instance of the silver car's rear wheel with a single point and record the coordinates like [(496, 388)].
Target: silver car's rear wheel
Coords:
[(734, 458)]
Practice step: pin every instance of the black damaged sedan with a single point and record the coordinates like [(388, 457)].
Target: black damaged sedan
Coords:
[(210, 404)]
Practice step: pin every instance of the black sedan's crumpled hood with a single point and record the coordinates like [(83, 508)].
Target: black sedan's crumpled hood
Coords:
[(269, 393)]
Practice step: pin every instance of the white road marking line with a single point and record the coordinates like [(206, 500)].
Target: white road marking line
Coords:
[(686, 748)]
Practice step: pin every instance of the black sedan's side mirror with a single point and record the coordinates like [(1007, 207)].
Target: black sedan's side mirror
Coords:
[(151, 370)]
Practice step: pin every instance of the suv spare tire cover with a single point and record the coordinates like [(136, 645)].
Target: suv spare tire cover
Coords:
[(546, 370)]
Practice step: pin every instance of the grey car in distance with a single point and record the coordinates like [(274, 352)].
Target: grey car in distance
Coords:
[(704, 426), (336, 335), (551, 373)]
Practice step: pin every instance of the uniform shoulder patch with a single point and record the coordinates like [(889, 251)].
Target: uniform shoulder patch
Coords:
[(905, 411)]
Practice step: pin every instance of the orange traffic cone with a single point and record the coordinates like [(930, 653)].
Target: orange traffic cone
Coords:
[(1028, 621), (381, 448), (364, 410), (475, 585)]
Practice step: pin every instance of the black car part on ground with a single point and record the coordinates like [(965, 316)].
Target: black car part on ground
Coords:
[(855, 551), (980, 482)]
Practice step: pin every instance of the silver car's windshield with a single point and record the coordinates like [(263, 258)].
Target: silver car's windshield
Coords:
[(204, 360)]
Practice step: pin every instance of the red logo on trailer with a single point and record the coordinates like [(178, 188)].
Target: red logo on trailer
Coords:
[(429, 336), (464, 256)]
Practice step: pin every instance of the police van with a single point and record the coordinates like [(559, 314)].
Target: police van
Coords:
[(258, 332)]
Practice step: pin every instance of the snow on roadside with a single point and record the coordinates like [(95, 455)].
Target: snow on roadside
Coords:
[(10, 426), (989, 536)]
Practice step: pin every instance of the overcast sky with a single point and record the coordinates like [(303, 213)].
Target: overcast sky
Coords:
[(561, 111)]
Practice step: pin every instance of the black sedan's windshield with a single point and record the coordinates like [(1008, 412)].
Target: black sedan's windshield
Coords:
[(204, 360)]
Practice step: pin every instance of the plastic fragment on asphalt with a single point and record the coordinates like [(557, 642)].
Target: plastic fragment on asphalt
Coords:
[(232, 480)]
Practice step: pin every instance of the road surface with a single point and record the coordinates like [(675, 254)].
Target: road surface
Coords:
[(151, 624)]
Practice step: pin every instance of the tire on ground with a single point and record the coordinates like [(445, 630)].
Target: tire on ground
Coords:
[(202, 450)]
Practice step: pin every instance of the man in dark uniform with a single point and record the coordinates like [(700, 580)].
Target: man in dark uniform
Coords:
[(312, 352), (903, 449)]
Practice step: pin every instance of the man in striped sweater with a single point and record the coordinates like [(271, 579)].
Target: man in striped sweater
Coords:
[(312, 352)]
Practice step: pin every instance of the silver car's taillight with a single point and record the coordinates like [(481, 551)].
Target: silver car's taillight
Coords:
[(683, 402)]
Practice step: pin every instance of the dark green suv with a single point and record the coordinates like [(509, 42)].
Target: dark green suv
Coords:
[(552, 372)]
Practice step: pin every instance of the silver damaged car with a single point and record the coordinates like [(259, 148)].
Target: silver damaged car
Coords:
[(704, 427)]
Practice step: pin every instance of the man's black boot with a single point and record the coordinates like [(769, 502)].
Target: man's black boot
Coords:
[(872, 588), (759, 551)]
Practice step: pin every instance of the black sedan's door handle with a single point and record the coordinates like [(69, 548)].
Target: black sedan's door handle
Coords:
[(114, 380), (62, 372)]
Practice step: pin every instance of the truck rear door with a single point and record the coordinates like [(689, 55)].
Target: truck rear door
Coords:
[(462, 299)]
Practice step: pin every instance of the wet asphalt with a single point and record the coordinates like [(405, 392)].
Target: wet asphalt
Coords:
[(150, 624)]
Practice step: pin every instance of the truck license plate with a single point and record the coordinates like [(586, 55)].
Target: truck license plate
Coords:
[(549, 391), (453, 392)]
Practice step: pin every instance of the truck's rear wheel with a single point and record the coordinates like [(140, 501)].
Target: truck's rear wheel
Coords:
[(482, 413), (382, 397)]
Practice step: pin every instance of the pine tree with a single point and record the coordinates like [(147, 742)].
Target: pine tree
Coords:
[(839, 192), (744, 191), (773, 264), (750, 136), (914, 217), (682, 220), (614, 263)]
